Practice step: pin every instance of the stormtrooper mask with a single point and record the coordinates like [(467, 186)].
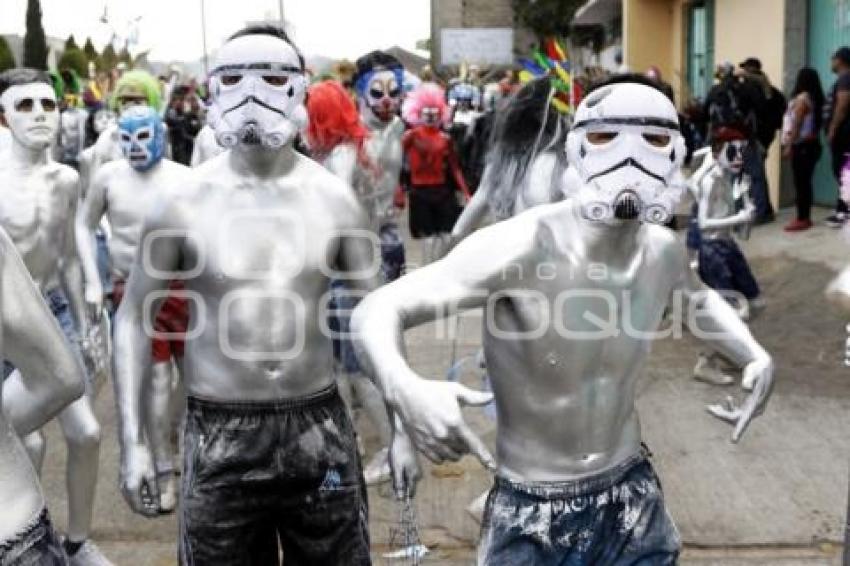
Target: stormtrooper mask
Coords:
[(627, 150), (142, 137), (381, 92), (258, 89), (32, 114)]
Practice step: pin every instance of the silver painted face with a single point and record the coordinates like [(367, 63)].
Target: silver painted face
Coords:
[(431, 116), (32, 114), (731, 156)]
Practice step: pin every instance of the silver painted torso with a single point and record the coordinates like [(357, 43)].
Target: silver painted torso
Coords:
[(384, 150)]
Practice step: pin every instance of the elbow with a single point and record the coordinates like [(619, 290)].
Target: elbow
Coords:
[(71, 384)]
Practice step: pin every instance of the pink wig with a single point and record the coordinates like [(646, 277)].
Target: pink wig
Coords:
[(426, 95)]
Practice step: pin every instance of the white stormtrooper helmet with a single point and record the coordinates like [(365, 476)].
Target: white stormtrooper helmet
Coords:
[(258, 89), (627, 149)]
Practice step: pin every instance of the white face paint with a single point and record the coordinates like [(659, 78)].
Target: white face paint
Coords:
[(103, 119), (627, 150), (258, 90), (383, 95), (32, 114), (731, 156)]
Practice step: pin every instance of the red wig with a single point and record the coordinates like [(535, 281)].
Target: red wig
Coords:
[(333, 118)]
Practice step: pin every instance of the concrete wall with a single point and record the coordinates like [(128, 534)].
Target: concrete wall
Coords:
[(476, 14), (654, 34), (754, 28)]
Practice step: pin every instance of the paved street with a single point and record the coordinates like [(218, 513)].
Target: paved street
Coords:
[(778, 498)]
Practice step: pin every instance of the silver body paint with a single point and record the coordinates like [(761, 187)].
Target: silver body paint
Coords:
[(715, 191), (206, 147), (38, 202), (49, 379), (383, 147), (253, 231), (566, 405)]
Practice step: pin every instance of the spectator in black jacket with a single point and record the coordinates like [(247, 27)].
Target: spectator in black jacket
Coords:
[(184, 122)]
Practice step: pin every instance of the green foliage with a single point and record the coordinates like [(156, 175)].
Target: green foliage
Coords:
[(546, 17), (71, 43), (7, 60), (126, 58), (90, 51), (76, 60), (108, 59), (35, 42)]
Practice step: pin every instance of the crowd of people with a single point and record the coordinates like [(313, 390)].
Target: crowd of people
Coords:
[(201, 245)]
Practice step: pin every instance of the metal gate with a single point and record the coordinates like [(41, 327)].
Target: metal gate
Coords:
[(828, 29)]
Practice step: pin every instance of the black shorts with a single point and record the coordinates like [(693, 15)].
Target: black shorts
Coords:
[(37, 545), (433, 210), (258, 472)]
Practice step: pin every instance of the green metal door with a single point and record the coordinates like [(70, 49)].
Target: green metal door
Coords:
[(828, 29), (700, 47)]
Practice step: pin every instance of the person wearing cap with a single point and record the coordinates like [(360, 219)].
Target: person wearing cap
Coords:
[(837, 124)]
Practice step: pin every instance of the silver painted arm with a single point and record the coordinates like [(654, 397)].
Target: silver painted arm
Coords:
[(473, 214), (50, 377), (133, 354), (91, 211), (745, 216), (462, 280), (712, 320), (72, 270)]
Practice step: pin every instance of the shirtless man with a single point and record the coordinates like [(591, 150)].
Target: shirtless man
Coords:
[(49, 379), (256, 234), (724, 208), (125, 192), (571, 298), (38, 201)]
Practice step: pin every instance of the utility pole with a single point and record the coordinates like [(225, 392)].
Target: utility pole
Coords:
[(280, 10), (204, 37)]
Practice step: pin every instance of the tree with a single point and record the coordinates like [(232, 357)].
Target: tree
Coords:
[(71, 43), (35, 42), (7, 60), (126, 58), (74, 59), (90, 51), (546, 17), (108, 59)]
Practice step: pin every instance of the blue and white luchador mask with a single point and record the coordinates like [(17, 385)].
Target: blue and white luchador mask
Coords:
[(142, 137)]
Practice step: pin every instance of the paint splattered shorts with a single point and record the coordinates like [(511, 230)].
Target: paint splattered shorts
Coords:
[(37, 545), (255, 472), (723, 267), (615, 518)]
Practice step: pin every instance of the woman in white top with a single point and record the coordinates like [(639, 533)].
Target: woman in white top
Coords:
[(801, 143)]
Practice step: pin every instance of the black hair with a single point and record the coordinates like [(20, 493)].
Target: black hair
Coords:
[(270, 30), (808, 81), (23, 76), (621, 78), (526, 126), (373, 60)]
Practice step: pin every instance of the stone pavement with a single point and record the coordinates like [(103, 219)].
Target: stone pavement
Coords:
[(777, 498)]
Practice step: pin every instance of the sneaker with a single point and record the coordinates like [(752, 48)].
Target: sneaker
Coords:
[(707, 372), (89, 555), (798, 225), (836, 220), (377, 471)]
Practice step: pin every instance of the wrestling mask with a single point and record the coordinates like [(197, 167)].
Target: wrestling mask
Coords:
[(258, 89), (142, 137), (627, 150)]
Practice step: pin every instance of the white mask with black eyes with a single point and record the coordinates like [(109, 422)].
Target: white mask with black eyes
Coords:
[(627, 150), (731, 156), (32, 114), (258, 90)]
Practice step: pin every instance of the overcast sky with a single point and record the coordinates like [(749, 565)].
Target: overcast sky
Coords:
[(171, 29)]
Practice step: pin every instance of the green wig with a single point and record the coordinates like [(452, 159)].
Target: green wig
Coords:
[(137, 82), (58, 85)]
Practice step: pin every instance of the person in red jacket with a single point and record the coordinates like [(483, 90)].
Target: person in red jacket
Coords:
[(434, 170)]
